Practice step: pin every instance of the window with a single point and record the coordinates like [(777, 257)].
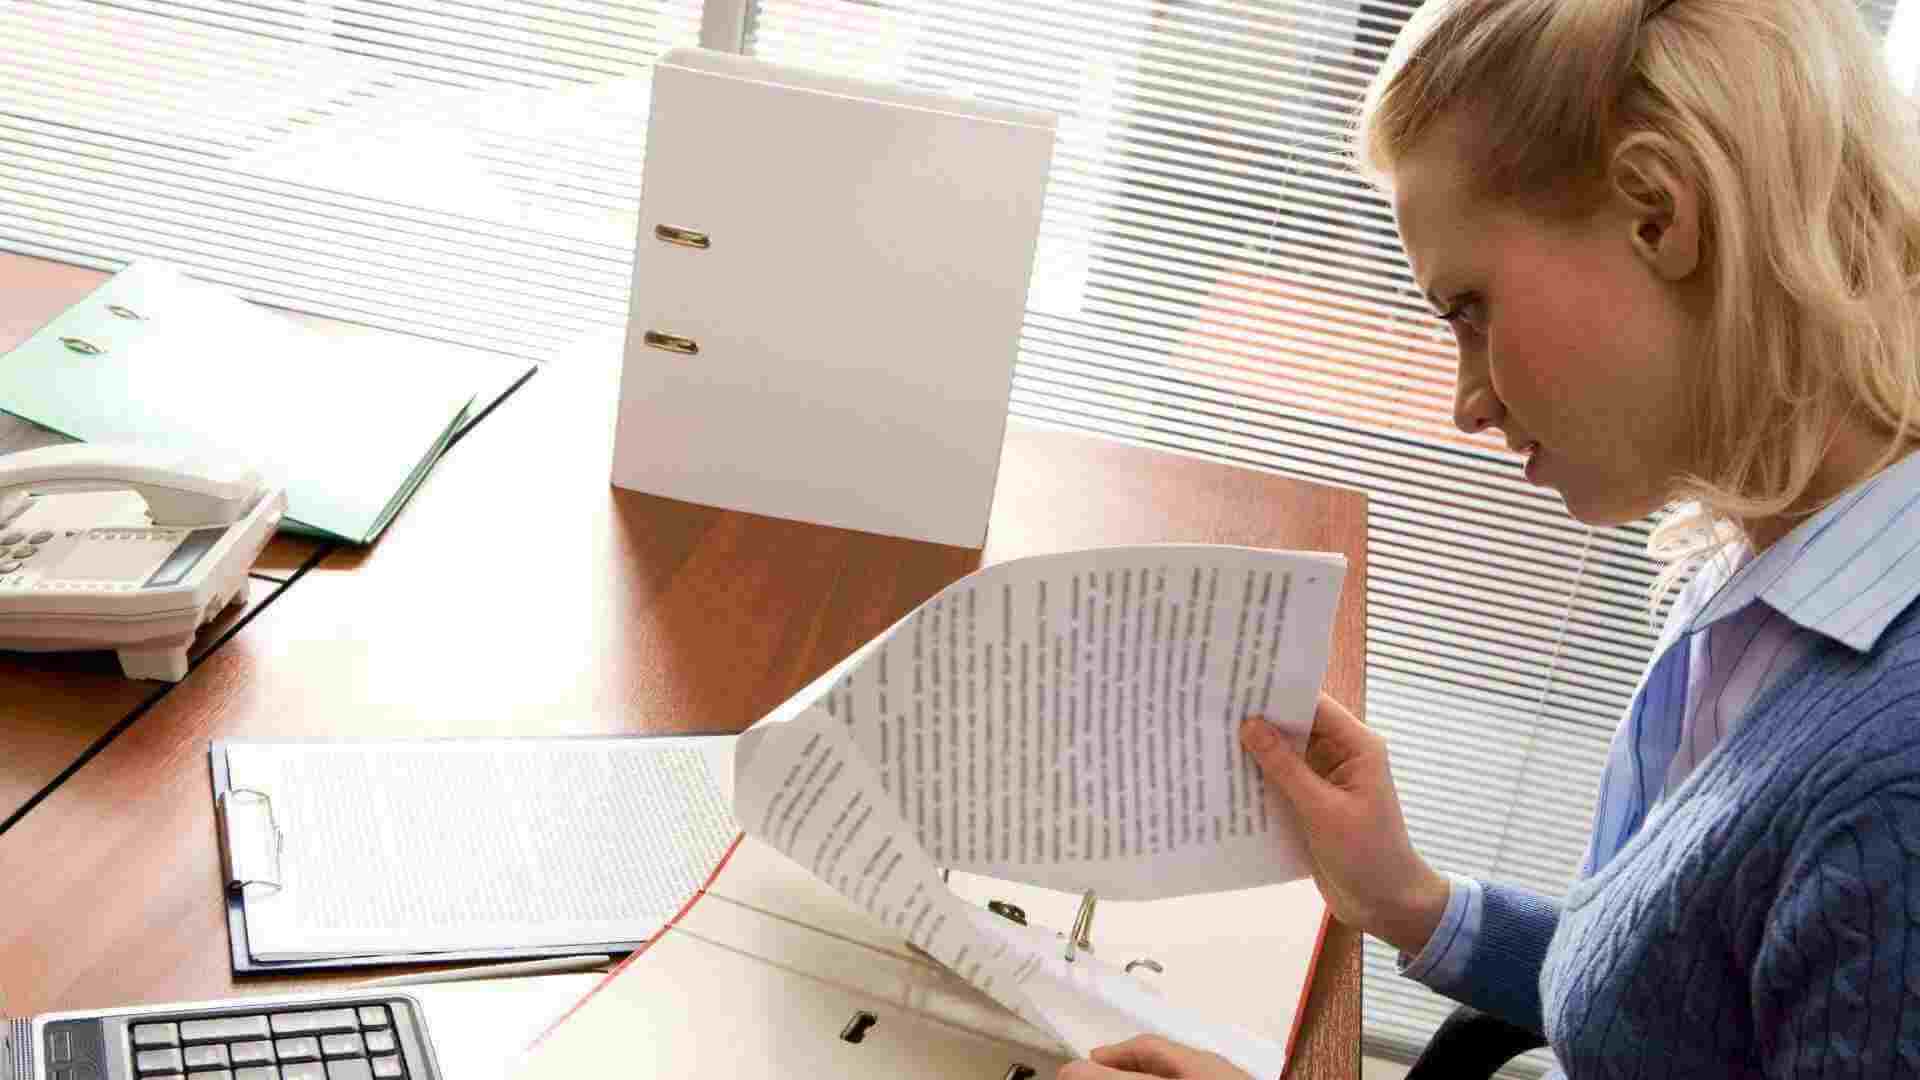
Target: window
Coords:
[(463, 170)]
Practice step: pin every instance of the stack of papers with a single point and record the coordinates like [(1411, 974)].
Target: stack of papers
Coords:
[(1069, 722)]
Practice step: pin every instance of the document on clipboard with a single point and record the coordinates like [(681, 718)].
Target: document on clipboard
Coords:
[(337, 851), (934, 827)]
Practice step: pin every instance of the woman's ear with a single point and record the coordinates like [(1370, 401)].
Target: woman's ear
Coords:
[(1660, 206)]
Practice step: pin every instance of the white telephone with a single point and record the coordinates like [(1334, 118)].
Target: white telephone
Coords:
[(125, 548)]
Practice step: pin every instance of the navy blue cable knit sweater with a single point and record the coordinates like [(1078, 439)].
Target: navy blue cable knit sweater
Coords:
[(1765, 921)]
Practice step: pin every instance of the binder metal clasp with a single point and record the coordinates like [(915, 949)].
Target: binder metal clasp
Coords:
[(672, 343), (673, 234)]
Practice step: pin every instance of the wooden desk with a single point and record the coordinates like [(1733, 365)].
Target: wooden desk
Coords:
[(520, 594)]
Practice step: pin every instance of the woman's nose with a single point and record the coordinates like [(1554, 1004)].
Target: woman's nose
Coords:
[(1476, 407)]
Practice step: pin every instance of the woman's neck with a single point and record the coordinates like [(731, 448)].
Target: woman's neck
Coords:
[(1852, 454)]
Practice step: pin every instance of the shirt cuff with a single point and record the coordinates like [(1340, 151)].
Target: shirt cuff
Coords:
[(1443, 961)]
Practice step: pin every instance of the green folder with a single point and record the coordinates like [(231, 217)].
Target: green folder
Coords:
[(349, 426)]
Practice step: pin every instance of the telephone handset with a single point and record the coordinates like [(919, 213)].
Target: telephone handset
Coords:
[(125, 548)]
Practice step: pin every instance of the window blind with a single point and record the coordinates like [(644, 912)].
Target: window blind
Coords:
[(1213, 279), (463, 169)]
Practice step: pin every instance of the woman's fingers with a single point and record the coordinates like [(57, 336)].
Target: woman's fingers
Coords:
[(1156, 1056), (1279, 762), (1311, 775), (1337, 736), (1090, 1070)]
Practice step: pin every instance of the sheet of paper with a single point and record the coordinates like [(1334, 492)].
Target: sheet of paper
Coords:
[(473, 844), (802, 787), (1072, 720)]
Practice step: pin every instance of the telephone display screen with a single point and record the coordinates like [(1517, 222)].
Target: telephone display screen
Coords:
[(185, 557)]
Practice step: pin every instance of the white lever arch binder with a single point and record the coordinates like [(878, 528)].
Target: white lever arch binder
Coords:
[(828, 287)]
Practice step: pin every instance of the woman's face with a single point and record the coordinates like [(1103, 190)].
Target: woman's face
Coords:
[(1573, 339)]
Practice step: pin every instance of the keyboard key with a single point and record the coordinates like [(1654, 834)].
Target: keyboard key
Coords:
[(216, 1074), (306, 1070), (157, 1061), (373, 1016), (306, 1048), (213, 1056), (387, 1068), (314, 1023), (150, 1036), (257, 1072), (223, 1029), (380, 1042), (259, 1052), (339, 1046), (349, 1069)]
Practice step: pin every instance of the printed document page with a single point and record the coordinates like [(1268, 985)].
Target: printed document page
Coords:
[(434, 846), (1072, 720)]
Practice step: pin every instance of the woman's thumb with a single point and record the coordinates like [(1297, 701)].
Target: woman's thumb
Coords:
[(1283, 766)]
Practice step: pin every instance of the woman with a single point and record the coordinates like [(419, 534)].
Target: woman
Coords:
[(1679, 244)]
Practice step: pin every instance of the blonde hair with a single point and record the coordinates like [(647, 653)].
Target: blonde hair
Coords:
[(1806, 159)]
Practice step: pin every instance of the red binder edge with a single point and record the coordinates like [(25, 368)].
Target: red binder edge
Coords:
[(1306, 988), (637, 953)]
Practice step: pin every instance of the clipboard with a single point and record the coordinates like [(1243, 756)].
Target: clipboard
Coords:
[(235, 815)]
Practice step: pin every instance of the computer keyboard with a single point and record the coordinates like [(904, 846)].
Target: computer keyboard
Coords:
[(362, 1038)]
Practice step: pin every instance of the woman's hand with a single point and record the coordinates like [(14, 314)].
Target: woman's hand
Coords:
[(1341, 790), (1151, 1055)]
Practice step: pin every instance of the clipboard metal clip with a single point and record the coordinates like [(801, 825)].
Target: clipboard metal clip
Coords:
[(250, 839)]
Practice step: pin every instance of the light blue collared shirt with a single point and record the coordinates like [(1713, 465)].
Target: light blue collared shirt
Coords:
[(1843, 575)]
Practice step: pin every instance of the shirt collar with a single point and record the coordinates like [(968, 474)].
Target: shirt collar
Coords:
[(1846, 572)]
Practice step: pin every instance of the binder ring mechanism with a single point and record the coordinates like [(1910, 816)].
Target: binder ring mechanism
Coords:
[(1082, 936), (250, 839)]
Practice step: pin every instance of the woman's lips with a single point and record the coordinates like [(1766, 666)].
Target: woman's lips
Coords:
[(1534, 454)]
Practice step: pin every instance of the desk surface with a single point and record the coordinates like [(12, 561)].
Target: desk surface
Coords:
[(520, 594)]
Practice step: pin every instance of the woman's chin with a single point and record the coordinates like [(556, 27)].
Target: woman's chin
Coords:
[(1600, 512)]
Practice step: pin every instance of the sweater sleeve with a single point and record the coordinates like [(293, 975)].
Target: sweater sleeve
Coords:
[(1836, 980), (1501, 972)]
